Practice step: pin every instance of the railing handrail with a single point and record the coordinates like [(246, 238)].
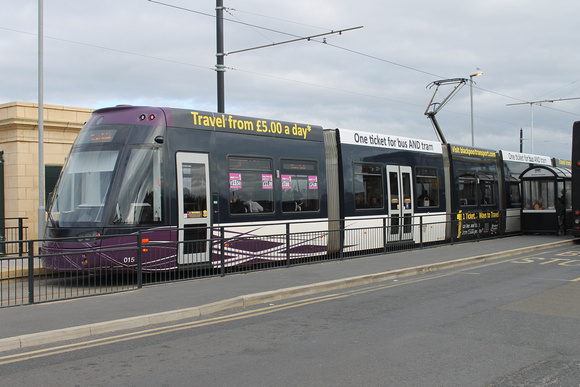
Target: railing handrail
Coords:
[(219, 263)]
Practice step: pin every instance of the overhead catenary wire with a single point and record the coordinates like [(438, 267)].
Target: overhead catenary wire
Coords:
[(256, 73), (261, 74), (212, 68)]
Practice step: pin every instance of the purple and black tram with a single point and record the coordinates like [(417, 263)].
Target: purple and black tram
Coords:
[(576, 179), (182, 180)]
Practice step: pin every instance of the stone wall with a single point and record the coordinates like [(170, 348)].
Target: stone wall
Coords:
[(19, 142)]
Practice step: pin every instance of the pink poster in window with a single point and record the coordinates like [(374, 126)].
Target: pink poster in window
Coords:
[(312, 182), (286, 181), (267, 182), (235, 181)]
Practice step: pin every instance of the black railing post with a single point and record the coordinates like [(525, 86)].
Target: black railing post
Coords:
[(421, 230), (222, 252), (139, 260), (385, 235), (342, 227), (287, 244), (453, 231), (31, 272), (21, 237)]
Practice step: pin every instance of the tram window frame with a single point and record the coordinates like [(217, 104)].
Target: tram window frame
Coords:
[(515, 195), (487, 189), (140, 197), (515, 192), (300, 190), (467, 198), (251, 189), (368, 184), (427, 177)]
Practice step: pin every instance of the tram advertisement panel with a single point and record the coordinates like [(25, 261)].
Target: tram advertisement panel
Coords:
[(476, 192), (388, 141), (472, 224), (223, 122)]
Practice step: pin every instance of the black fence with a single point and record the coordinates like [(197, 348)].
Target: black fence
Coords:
[(13, 233), (32, 274)]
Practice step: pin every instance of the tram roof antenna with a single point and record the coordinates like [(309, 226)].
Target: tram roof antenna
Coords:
[(434, 107)]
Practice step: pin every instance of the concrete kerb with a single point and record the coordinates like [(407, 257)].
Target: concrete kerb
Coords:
[(40, 338)]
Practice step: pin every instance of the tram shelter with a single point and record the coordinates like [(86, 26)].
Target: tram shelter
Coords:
[(546, 196)]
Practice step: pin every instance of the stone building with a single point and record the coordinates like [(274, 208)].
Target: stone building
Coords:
[(19, 155)]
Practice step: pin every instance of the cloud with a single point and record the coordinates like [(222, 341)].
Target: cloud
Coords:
[(139, 52)]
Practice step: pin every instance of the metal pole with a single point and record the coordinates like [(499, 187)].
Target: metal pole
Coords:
[(31, 272), (532, 127), (222, 252), (471, 98), (20, 237), (521, 140), (287, 244), (139, 260), (220, 68), (41, 211), (421, 229)]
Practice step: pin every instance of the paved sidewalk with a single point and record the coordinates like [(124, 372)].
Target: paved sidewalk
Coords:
[(26, 326)]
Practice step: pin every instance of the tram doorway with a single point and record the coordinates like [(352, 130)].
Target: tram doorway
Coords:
[(194, 218), (400, 199)]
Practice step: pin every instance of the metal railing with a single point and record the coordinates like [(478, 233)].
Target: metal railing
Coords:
[(13, 233), (139, 261)]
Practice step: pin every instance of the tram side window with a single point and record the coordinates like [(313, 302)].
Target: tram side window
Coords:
[(427, 187), (487, 190), (515, 192), (368, 186), (140, 196), (251, 185), (467, 188), (299, 185), (515, 195)]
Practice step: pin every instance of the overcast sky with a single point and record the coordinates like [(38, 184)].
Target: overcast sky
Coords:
[(109, 52)]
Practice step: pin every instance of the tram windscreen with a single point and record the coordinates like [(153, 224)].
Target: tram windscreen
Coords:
[(83, 187), (140, 196)]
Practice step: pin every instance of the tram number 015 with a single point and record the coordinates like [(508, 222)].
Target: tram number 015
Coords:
[(129, 259)]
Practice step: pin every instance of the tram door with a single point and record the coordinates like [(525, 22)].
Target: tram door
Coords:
[(193, 194), (400, 199)]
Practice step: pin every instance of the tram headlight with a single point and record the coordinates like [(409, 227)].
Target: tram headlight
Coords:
[(88, 236)]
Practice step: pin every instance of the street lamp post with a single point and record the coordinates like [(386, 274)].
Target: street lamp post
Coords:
[(477, 74)]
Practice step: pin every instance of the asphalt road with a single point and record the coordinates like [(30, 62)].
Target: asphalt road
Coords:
[(509, 322)]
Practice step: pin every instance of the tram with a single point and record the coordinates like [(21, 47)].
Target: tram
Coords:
[(576, 179), (182, 179)]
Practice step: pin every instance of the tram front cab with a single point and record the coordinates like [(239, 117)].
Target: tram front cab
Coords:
[(546, 199)]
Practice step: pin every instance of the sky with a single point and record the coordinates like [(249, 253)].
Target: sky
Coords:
[(375, 78)]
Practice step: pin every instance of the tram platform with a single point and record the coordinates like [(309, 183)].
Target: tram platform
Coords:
[(26, 326)]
